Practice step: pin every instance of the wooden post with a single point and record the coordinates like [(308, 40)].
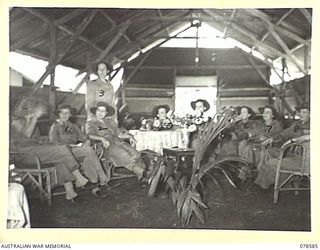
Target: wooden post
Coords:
[(306, 67), (72, 40), (266, 81), (52, 90)]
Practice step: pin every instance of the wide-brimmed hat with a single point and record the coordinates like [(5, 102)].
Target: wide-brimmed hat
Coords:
[(250, 111), (205, 103), (27, 106), (110, 110), (65, 106), (156, 108)]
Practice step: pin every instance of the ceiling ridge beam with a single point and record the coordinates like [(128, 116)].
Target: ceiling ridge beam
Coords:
[(283, 31)]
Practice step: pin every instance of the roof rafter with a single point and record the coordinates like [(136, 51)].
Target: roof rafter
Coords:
[(60, 55), (62, 27), (252, 36), (264, 37), (285, 47), (283, 31), (81, 49), (307, 15)]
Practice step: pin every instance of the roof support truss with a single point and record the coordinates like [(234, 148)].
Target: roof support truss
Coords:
[(60, 55)]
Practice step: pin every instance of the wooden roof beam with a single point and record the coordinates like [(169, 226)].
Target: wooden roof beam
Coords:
[(81, 49), (60, 55), (307, 15), (283, 31), (264, 37), (154, 31), (225, 31), (285, 48), (69, 16), (252, 36), (35, 40), (160, 14), (114, 40), (266, 81), (62, 27), (113, 23)]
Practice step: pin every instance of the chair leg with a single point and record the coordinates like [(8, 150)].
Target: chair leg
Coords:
[(41, 194), (48, 180), (276, 188)]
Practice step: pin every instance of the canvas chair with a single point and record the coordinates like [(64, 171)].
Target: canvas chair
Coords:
[(293, 163), (42, 176)]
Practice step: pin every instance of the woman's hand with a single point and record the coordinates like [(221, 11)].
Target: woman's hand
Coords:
[(267, 141), (105, 143)]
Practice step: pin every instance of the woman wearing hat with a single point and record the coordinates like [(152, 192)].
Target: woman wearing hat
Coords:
[(100, 90), (63, 131), (103, 128), (25, 139), (161, 120), (199, 106)]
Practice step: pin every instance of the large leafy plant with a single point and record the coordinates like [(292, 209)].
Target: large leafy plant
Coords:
[(187, 196)]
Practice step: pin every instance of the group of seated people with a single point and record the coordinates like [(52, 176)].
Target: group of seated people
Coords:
[(69, 148), (260, 141), (256, 141)]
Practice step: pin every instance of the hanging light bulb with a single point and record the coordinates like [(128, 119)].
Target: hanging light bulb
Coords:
[(197, 58)]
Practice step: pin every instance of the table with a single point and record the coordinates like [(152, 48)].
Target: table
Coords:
[(177, 153), (157, 140)]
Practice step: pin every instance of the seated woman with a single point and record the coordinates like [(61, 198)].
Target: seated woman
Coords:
[(103, 128), (63, 131), (161, 119), (246, 129), (199, 106), (26, 141), (298, 131)]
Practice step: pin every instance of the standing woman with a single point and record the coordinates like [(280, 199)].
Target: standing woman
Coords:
[(100, 90)]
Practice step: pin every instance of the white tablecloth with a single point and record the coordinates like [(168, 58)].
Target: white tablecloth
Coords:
[(157, 140)]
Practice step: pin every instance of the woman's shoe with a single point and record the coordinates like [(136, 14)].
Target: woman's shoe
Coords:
[(87, 186), (76, 199), (99, 194)]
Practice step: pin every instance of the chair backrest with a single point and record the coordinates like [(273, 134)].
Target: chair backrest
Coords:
[(299, 150)]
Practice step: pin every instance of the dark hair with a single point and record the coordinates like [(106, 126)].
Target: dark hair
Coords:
[(274, 111), (250, 111), (108, 65)]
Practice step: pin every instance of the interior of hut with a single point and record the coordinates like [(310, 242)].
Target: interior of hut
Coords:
[(176, 118)]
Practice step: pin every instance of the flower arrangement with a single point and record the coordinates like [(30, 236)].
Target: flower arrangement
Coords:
[(155, 124), (186, 121)]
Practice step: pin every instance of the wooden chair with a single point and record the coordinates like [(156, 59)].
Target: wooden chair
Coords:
[(43, 177), (293, 161)]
